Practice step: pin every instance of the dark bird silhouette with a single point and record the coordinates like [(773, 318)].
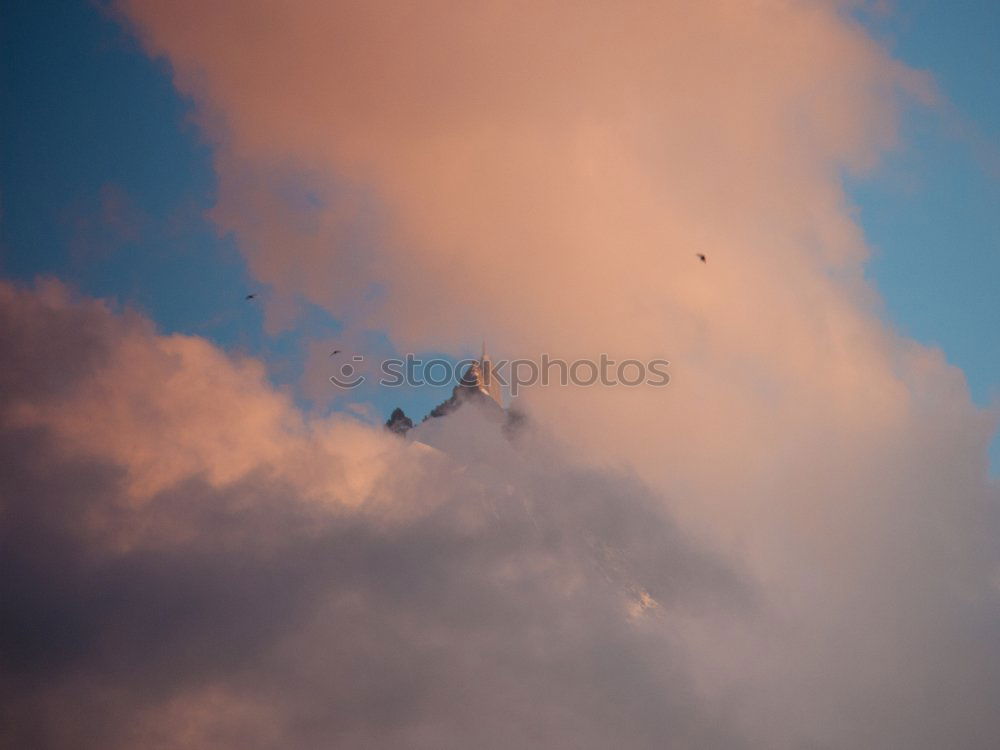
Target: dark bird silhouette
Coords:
[(251, 296), (701, 257), (335, 351)]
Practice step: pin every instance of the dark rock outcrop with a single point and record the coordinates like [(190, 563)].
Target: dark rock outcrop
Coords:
[(398, 422)]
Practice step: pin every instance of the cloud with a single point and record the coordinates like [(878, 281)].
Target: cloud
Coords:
[(467, 158), (336, 585), (543, 177)]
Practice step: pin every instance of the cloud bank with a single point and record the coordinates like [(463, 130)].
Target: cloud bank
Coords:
[(171, 581)]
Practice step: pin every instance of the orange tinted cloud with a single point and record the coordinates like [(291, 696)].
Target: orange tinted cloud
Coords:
[(168, 580), (543, 174), (169, 408), (516, 152)]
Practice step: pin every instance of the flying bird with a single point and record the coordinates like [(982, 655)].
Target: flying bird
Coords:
[(335, 351), (251, 296), (701, 257)]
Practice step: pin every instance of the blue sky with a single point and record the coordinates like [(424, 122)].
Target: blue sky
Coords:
[(92, 127), (932, 214)]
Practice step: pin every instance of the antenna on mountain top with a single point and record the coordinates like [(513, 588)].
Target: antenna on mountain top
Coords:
[(489, 379)]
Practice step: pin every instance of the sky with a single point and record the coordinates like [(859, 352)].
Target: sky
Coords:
[(791, 545), (107, 180)]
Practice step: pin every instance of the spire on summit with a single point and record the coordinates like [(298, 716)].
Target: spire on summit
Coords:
[(490, 382), (482, 376), (480, 382)]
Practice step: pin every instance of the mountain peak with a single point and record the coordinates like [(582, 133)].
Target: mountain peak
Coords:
[(478, 383)]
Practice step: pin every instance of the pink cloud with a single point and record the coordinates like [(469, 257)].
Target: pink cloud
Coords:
[(169, 581)]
